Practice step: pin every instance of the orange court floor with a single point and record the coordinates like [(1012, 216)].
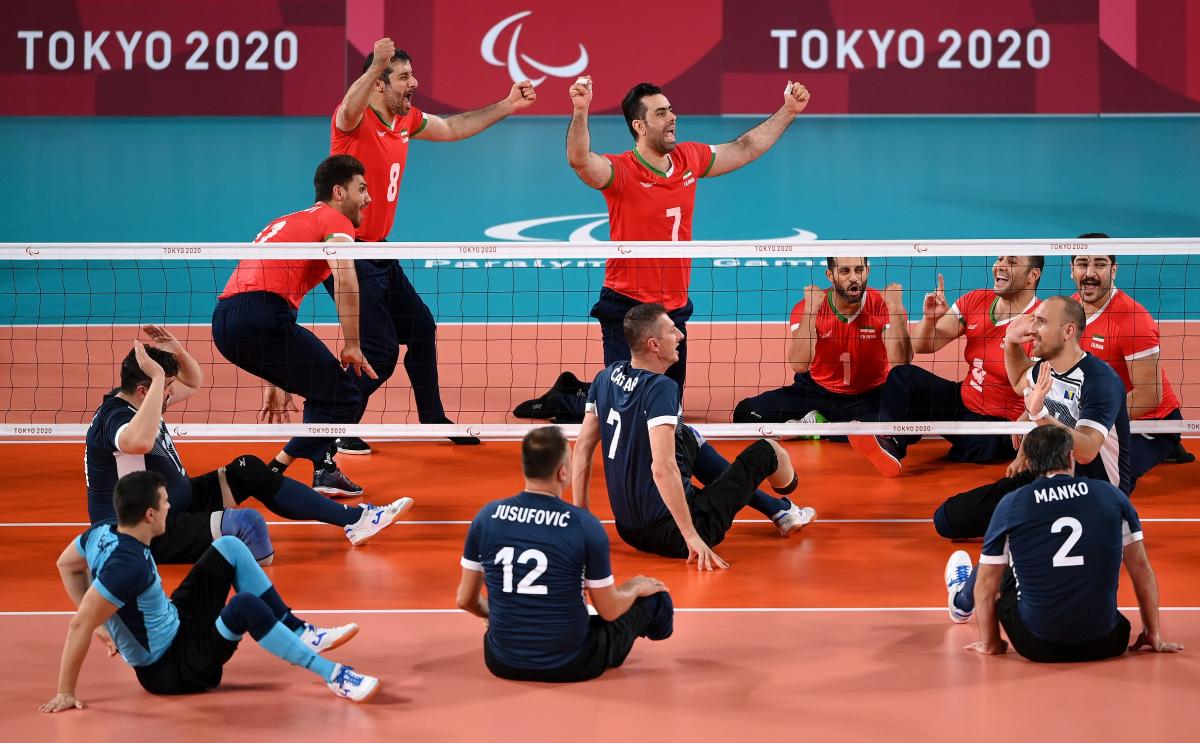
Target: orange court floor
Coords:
[(839, 633)]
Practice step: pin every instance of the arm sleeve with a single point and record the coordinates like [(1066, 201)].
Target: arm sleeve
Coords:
[(1100, 401), (472, 557), (1143, 338), (995, 541), (794, 319), (339, 141), (616, 181), (1131, 525), (597, 573), (416, 121), (590, 405), (112, 423), (336, 224), (662, 403), (119, 581)]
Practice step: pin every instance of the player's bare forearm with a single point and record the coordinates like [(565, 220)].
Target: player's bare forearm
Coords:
[(79, 637), (1145, 585), (751, 145), (987, 584), (799, 351), (669, 482), (141, 432), (1146, 394), (928, 336), (191, 374), (1016, 363), (581, 459), (345, 297), (897, 341), (466, 124), (75, 582), (592, 169)]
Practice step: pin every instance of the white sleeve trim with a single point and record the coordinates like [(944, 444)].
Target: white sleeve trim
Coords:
[(602, 583), (340, 234), (590, 408), (993, 559), (794, 327), (1092, 425), (662, 420), (117, 438), (471, 565), (958, 313), (1142, 354), (1129, 537)]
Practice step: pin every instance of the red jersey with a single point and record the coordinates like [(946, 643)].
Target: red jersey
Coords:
[(645, 203), (290, 279), (383, 149), (1122, 331), (986, 389), (848, 353)]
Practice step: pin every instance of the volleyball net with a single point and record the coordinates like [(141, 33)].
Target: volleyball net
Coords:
[(512, 317)]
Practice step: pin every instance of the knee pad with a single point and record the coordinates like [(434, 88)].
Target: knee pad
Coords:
[(249, 477), (248, 528), (244, 613)]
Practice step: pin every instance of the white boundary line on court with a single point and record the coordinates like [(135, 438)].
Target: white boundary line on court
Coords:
[(693, 610), (84, 525)]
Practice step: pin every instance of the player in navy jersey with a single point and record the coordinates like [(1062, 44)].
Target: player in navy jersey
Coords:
[(1065, 387), (128, 434), (1053, 554), (179, 645), (634, 409), (535, 552)]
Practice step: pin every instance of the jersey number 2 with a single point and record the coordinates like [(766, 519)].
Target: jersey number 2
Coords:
[(540, 563), (1061, 558)]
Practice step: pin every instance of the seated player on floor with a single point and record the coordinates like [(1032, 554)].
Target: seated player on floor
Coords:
[(912, 393), (1066, 387), (180, 645), (1123, 334), (532, 550), (1050, 564), (841, 343), (649, 454), (128, 434)]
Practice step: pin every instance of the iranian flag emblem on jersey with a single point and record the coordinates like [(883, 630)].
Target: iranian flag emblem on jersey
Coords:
[(1098, 342)]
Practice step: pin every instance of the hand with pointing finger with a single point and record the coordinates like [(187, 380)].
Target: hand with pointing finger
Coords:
[(935, 306)]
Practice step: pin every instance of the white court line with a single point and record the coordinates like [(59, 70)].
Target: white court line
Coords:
[(695, 610), (83, 524)]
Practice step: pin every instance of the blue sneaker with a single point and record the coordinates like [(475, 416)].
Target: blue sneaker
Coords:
[(375, 519), (350, 685), (335, 483), (958, 570), (321, 639)]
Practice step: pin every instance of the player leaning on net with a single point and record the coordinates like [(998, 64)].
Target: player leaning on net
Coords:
[(1050, 565), (912, 393), (650, 191), (128, 434), (374, 123), (841, 342), (255, 326), (532, 551), (634, 411), (1067, 387), (1122, 333), (179, 645)]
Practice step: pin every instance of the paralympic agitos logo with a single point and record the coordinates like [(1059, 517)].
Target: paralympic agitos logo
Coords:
[(487, 49)]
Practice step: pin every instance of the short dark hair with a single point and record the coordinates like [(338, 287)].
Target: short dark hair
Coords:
[(336, 170), (132, 374), (832, 262), (632, 105), (1048, 448), (639, 324), (135, 494), (1097, 236), (1038, 262), (1073, 312), (542, 452), (399, 56)]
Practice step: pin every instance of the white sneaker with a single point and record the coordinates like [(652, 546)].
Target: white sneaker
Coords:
[(809, 418), (375, 519), (958, 570), (321, 639), (350, 685), (794, 519)]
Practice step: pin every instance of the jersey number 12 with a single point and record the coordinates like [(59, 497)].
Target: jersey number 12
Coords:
[(540, 563)]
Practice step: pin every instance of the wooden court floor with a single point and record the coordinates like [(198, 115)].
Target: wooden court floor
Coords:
[(837, 634)]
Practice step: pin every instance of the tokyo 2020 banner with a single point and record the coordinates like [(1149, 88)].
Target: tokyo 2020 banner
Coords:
[(295, 57)]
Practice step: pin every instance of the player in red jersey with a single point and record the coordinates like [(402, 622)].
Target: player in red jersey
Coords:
[(1122, 333), (255, 328), (650, 191), (374, 123), (841, 343), (913, 393)]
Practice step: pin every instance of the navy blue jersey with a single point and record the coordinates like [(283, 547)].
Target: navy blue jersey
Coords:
[(1091, 395), (104, 463), (124, 573), (629, 402), (537, 553), (1064, 537)]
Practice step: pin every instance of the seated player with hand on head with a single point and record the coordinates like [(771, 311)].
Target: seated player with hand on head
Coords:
[(533, 551), (128, 434), (179, 645), (649, 453), (1050, 565), (841, 343)]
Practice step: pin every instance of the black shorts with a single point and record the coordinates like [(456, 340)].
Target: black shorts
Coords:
[(607, 646), (1032, 647), (191, 532), (194, 661), (967, 515), (713, 508)]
